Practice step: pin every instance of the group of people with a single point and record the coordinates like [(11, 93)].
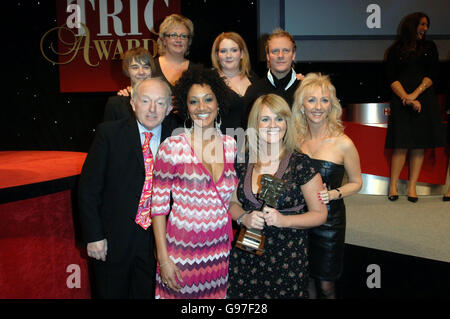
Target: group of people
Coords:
[(159, 209)]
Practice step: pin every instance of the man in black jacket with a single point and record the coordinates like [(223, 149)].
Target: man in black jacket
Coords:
[(281, 78), (110, 189)]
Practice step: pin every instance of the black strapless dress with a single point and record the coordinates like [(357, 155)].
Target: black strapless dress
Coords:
[(326, 242)]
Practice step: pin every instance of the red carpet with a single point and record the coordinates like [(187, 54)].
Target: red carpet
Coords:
[(39, 256)]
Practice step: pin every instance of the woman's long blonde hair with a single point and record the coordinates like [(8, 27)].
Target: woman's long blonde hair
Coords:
[(280, 107), (311, 81)]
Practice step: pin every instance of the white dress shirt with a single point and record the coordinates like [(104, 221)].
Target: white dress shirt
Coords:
[(156, 139)]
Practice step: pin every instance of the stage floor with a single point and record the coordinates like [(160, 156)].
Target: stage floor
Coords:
[(419, 229), (407, 232), (19, 168), (40, 257)]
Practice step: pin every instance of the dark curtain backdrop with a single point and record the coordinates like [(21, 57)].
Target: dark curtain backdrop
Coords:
[(36, 116)]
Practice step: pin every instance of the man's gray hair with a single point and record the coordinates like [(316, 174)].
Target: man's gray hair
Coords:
[(134, 94)]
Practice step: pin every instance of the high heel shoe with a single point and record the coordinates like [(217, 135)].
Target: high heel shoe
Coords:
[(393, 198), (413, 199), (446, 198)]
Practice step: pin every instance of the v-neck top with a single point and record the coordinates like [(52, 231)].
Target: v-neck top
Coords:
[(159, 73), (295, 169), (188, 138), (198, 230)]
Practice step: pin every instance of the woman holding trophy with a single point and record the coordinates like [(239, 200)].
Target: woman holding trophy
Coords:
[(273, 174)]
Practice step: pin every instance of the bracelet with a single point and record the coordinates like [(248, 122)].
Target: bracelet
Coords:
[(339, 191), (166, 263), (239, 220)]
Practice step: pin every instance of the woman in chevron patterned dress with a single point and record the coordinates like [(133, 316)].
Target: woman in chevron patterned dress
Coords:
[(196, 170)]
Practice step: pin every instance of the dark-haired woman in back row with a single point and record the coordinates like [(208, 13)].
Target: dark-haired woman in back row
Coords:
[(414, 122)]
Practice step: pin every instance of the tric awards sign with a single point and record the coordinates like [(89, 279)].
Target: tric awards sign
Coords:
[(91, 36)]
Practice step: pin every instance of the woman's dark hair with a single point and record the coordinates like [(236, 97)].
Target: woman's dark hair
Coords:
[(202, 76), (407, 41)]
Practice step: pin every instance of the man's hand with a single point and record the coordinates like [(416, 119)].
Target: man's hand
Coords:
[(98, 249)]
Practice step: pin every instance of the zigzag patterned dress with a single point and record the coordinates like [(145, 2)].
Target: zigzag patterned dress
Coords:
[(199, 230)]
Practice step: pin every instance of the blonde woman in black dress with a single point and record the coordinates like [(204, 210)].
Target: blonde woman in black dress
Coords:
[(321, 134)]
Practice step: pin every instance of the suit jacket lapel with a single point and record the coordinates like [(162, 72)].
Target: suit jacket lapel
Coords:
[(170, 123), (165, 130), (135, 141)]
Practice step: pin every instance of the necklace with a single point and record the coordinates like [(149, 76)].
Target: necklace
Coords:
[(236, 82)]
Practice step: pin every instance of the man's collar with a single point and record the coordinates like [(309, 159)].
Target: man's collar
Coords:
[(156, 130), (291, 81)]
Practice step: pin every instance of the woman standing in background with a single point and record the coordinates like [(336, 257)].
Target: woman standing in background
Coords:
[(414, 122), (175, 38), (230, 57)]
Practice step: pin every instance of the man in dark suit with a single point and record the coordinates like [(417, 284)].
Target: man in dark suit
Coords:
[(110, 189), (137, 64)]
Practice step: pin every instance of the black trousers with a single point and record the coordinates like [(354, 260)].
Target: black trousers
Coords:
[(131, 278)]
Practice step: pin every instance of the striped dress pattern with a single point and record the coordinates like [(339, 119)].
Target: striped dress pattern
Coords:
[(199, 225)]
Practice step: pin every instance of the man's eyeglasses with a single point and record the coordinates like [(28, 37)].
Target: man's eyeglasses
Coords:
[(175, 36)]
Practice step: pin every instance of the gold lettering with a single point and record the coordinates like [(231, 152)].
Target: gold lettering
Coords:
[(102, 51), (118, 50), (130, 42), (73, 45), (87, 47), (154, 49), (70, 45)]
